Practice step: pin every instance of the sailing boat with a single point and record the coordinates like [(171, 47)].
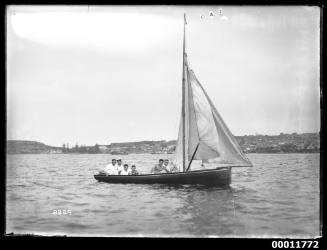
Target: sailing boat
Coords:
[(203, 136)]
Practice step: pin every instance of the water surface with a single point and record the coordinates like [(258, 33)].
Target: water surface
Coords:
[(278, 197)]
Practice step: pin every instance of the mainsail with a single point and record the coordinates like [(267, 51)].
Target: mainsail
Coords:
[(203, 135)]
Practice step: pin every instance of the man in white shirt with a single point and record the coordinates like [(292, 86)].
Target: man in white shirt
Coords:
[(111, 168), (125, 170), (120, 166), (170, 167)]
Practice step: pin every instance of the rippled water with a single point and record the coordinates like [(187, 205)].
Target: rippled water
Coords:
[(279, 196)]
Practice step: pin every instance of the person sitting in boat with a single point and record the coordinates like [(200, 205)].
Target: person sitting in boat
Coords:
[(111, 168), (125, 170), (166, 163), (171, 167), (159, 168), (133, 171), (120, 166)]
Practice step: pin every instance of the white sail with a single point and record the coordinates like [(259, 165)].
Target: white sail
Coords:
[(205, 130), (178, 161)]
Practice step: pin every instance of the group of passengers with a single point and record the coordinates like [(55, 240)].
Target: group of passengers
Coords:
[(164, 167), (117, 168)]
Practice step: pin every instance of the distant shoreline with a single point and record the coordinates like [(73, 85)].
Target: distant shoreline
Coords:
[(278, 153), (273, 144)]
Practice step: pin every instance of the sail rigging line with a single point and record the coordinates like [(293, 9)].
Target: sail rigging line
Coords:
[(189, 164), (183, 98)]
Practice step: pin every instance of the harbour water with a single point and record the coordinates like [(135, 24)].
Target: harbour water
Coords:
[(278, 197)]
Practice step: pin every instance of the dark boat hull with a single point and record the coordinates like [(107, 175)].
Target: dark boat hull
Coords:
[(212, 177)]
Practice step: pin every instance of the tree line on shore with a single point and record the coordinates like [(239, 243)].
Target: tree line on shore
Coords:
[(283, 143)]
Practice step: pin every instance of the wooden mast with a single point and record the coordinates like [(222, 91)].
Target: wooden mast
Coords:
[(183, 98)]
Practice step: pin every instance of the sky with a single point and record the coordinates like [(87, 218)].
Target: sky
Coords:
[(103, 74)]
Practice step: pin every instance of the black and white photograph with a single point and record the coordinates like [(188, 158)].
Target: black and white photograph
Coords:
[(163, 121)]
